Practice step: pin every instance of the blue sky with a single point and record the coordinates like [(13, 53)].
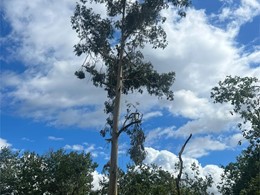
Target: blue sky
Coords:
[(44, 106)]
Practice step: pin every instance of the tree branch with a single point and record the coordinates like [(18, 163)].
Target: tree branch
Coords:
[(129, 124), (181, 166)]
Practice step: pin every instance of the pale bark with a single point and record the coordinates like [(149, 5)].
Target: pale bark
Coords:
[(112, 189)]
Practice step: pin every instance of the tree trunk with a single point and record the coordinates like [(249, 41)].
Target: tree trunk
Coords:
[(112, 188), (114, 145)]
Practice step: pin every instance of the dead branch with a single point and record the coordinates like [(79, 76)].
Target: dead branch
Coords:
[(125, 126), (181, 166)]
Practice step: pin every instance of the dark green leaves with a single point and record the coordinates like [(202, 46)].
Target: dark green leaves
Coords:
[(242, 176), (80, 74), (93, 31), (146, 180)]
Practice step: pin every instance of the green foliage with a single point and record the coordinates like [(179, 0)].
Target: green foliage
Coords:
[(54, 173), (153, 180), (243, 176), (244, 94), (146, 180), (9, 166), (71, 172), (196, 185)]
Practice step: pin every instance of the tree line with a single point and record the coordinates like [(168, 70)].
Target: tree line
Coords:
[(71, 173)]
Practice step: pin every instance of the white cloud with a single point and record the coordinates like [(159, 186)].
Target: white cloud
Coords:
[(75, 147), (201, 146), (239, 14), (88, 148), (27, 139), (97, 177), (150, 115), (168, 160), (158, 133), (53, 138), (187, 104), (233, 140), (45, 46), (4, 143)]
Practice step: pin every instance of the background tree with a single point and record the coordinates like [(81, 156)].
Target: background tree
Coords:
[(117, 38), (70, 173), (22, 173), (53, 173), (144, 179), (196, 185), (242, 177), (9, 169), (244, 94), (153, 180)]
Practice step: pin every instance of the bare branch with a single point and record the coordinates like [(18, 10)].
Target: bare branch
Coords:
[(125, 126), (181, 166)]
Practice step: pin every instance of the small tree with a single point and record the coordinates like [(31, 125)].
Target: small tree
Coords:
[(117, 39)]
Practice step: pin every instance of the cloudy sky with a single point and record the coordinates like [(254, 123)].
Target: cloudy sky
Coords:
[(43, 105)]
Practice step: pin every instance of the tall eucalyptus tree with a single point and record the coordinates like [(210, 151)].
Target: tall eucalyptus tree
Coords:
[(117, 37)]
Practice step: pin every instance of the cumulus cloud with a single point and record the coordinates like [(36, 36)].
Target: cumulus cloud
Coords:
[(48, 84), (4, 143), (168, 161)]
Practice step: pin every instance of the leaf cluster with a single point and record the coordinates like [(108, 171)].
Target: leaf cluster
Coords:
[(243, 176), (196, 185), (244, 94)]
